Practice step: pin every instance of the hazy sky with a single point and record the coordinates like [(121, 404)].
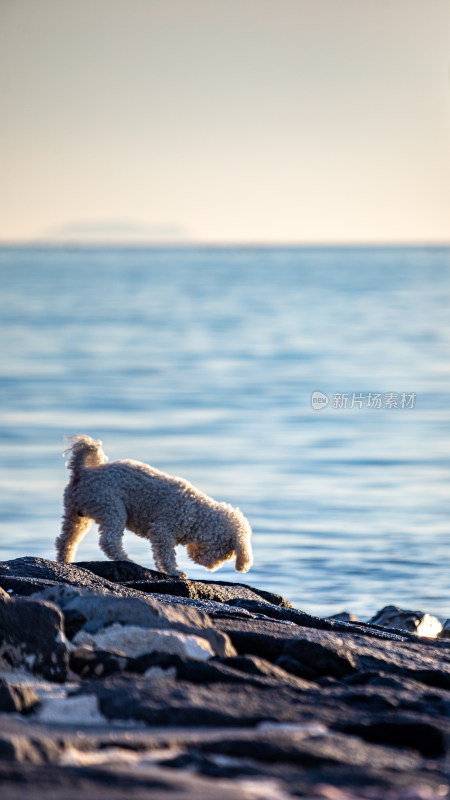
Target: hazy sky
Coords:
[(226, 120)]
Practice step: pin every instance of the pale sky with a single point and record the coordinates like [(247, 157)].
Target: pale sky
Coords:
[(228, 121)]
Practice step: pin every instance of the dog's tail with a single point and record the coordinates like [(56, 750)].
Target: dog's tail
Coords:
[(84, 452)]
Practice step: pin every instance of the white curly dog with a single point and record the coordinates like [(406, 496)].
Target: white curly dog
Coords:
[(166, 510)]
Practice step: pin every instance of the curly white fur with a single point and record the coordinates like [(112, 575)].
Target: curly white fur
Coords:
[(166, 510)]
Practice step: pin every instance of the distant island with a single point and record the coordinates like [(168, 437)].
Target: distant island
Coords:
[(112, 231)]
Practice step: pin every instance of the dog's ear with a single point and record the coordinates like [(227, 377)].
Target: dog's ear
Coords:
[(244, 555)]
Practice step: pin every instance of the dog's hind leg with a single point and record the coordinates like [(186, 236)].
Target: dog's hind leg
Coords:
[(73, 529), (111, 529)]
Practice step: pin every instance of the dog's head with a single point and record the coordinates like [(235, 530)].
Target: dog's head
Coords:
[(232, 541), (242, 543), (211, 558)]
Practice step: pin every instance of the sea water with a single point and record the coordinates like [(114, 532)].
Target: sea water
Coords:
[(203, 362)]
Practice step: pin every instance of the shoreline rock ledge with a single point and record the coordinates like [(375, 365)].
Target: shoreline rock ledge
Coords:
[(118, 679)]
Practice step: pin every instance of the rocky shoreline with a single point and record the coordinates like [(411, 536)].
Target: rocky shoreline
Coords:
[(116, 678)]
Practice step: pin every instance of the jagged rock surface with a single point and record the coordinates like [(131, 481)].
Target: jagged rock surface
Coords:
[(286, 704), (32, 636)]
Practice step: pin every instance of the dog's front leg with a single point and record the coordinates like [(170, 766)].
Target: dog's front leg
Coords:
[(163, 548)]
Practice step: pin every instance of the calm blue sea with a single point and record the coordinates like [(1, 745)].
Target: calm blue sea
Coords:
[(202, 362)]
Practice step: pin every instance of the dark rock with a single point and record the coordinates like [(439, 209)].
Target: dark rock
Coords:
[(121, 571), (258, 607), (363, 677), (25, 576), (215, 766), (24, 587), (32, 637), (308, 759), (114, 782), (74, 621), (308, 748), (263, 638), (165, 702), (233, 594), (314, 704), (385, 695), (433, 677), (314, 659), (260, 610), (323, 653), (89, 663), (35, 574), (267, 638), (260, 667), (257, 673), (445, 632), (212, 702), (133, 575), (413, 621), (92, 611), (396, 691), (99, 610), (17, 749), (423, 737), (344, 616), (19, 699)]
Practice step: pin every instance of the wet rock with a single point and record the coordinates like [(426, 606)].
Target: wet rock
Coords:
[(414, 621), (19, 699), (32, 637)]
